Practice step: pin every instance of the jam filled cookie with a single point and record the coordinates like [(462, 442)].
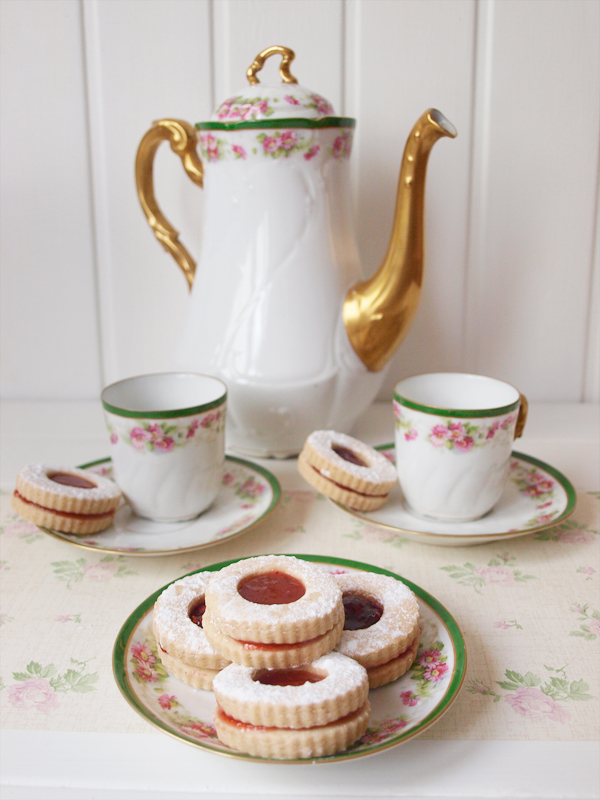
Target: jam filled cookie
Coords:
[(303, 712), (65, 499), (381, 628), (177, 623), (346, 470), (273, 611)]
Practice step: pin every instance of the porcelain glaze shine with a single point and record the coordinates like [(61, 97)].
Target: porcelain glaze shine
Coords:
[(265, 311)]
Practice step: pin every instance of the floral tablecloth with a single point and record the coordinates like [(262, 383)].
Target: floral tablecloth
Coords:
[(529, 610)]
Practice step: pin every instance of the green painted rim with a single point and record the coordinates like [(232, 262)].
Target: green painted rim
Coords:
[(291, 122), (460, 413), (268, 476), (168, 414), (458, 674), (556, 474)]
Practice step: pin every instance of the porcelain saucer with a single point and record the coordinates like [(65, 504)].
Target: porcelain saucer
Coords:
[(247, 495), (536, 497), (399, 710)]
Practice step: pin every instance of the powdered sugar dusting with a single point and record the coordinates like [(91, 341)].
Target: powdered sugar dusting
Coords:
[(378, 468), (171, 623), (400, 612), (343, 675), (37, 475), (229, 608)]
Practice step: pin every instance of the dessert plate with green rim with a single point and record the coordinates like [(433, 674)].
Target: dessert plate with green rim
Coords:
[(247, 495), (399, 710), (536, 496)]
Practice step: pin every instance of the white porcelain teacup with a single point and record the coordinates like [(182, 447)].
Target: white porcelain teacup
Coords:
[(167, 432), (454, 437)]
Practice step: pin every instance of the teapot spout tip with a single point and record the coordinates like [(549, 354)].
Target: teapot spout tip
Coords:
[(437, 118)]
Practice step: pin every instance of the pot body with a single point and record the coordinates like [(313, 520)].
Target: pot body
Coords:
[(278, 257)]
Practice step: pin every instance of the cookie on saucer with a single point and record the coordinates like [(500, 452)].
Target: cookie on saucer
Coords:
[(65, 499), (346, 470)]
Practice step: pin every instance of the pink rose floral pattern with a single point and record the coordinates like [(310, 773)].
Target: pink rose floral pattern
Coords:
[(107, 568), (148, 671), (403, 423), (429, 670), (499, 571), (282, 144), (240, 109), (532, 698), (589, 629), (569, 532), (38, 687), (463, 436), (17, 528), (166, 436), (342, 145)]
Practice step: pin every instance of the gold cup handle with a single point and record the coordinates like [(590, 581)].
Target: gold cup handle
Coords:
[(522, 417), (182, 138)]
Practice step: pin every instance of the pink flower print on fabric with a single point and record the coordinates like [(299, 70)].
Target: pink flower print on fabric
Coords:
[(101, 571), (576, 536), (532, 703), (34, 693), (496, 575)]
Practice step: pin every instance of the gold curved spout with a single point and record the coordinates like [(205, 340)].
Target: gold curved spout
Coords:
[(379, 311)]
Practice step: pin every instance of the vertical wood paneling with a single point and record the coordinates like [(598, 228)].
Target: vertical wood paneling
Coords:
[(591, 381), (512, 278), (403, 58), (145, 60), (536, 162), (312, 28), (48, 311)]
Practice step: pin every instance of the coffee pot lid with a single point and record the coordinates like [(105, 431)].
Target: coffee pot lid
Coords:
[(263, 103)]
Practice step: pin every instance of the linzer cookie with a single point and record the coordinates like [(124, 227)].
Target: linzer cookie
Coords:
[(65, 498), (346, 470), (381, 627), (305, 712), (177, 624), (273, 612)]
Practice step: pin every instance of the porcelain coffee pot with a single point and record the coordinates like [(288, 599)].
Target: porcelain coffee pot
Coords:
[(278, 309)]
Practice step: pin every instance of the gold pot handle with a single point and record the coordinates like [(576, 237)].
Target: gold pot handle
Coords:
[(522, 417), (182, 138)]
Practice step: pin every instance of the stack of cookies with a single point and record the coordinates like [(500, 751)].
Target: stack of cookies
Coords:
[(347, 470), (305, 646)]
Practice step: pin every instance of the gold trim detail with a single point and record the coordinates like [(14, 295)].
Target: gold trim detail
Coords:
[(522, 416), (378, 312), (284, 68), (182, 138)]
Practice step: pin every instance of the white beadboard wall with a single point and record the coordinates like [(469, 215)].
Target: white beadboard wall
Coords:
[(512, 232)]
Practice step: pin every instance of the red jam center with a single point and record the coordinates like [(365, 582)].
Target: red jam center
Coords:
[(348, 455), (271, 588), (287, 677), (66, 479), (361, 612), (196, 611)]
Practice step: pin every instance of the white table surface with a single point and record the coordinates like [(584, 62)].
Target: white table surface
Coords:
[(40, 765)]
